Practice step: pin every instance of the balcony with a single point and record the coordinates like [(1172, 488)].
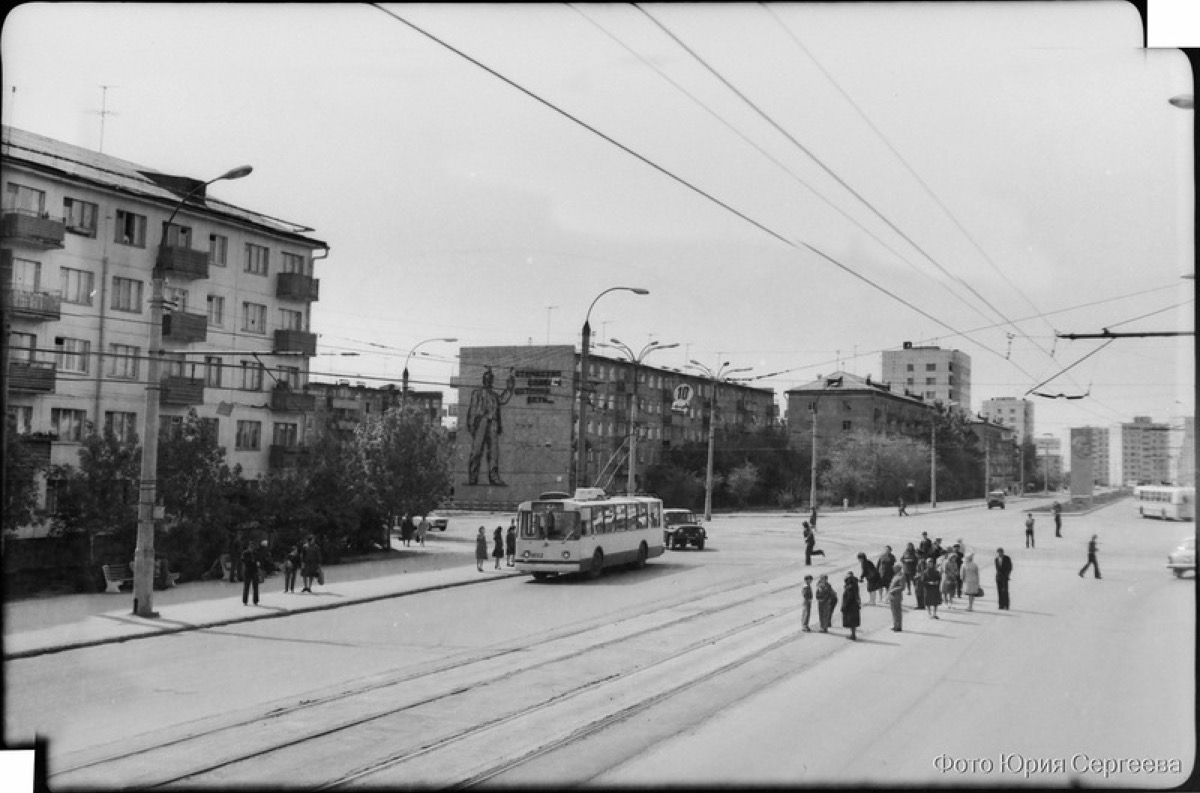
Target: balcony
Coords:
[(37, 446), (21, 227), (296, 341), (286, 400), (184, 391), (343, 425), (293, 286), (37, 306), (35, 377), (287, 457), (183, 328), (182, 262)]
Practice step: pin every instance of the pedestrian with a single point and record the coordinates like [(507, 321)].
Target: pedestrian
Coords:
[(1004, 567), (291, 567), (925, 545), (936, 550), (310, 569), (896, 600), (932, 583), (498, 545), (870, 576), (510, 544), (806, 593), (1029, 530), (1057, 519), (1091, 558), (959, 553), (851, 606), (265, 565), (903, 509), (249, 574), (826, 601), (949, 579), (887, 566), (919, 581), (810, 544), (908, 563), (481, 549), (969, 579), (407, 529), (422, 530), (235, 559)]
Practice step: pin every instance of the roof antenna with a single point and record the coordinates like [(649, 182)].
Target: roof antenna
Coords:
[(104, 111)]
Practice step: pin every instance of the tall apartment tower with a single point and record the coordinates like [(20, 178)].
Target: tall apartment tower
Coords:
[(1140, 452), (1011, 412), (934, 374), (81, 234)]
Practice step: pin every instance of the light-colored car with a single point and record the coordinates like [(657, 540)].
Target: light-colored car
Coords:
[(681, 528), (995, 499), (1183, 558), (436, 522)]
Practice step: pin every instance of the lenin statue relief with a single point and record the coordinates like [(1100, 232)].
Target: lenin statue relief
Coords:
[(483, 423)]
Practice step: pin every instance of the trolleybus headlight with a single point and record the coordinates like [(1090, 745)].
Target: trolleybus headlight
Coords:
[(525, 555), (566, 554)]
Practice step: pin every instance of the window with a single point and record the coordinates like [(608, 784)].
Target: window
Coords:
[(248, 435), (293, 263), (80, 216), (256, 258), (174, 364), (212, 371), (216, 311), (909, 367), (285, 434), (930, 394), (909, 381), (931, 367), (218, 250), (127, 295), (21, 346), (77, 286), (289, 377), (252, 376), (177, 299), (68, 424), (291, 320), (122, 425), (23, 418), (130, 229), (124, 361), (254, 318), (72, 355), (26, 275), (930, 381), (177, 236), (845, 425), (25, 200)]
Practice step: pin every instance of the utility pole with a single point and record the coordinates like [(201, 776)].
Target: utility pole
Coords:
[(933, 463)]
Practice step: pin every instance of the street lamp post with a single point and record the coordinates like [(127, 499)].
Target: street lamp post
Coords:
[(714, 377), (636, 360), (581, 438), (412, 352), (143, 555)]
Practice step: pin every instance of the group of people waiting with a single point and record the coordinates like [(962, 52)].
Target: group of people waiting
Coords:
[(303, 560), (410, 530), (934, 574), (504, 546)]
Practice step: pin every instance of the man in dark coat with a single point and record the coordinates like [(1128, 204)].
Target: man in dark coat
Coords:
[(1057, 519), (851, 606), (1004, 569), (249, 574), (1091, 559)]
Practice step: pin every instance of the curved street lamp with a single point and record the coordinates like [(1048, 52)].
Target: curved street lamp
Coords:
[(719, 376), (581, 438), (143, 555), (636, 360), (409, 358)]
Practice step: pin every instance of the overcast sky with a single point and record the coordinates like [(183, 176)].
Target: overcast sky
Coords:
[(801, 186)]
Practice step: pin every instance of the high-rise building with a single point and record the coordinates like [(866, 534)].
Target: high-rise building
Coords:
[(1140, 453), (1184, 459), (1011, 412), (82, 233), (931, 373)]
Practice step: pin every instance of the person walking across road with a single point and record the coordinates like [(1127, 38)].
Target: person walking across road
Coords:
[(249, 574), (481, 549), (826, 601), (806, 593), (1004, 568), (903, 509), (510, 544), (968, 576), (1091, 558), (851, 606), (810, 544), (896, 601), (1057, 519), (1029, 530)]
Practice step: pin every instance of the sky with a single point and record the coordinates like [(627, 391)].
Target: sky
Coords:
[(799, 186)]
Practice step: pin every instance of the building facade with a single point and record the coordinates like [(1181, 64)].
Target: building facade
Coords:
[(1049, 457), (1001, 466), (846, 403), (934, 374), (1139, 453), (341, 406), (518, 411), (1184, 458), (1011, 412), (82, 233)]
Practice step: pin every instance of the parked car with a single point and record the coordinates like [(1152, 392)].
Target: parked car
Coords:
[(682, 528), (436, 522), (995, 499), (1183, 558)]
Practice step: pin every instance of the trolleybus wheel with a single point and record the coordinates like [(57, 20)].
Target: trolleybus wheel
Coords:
[(540, 576), (643, 553)]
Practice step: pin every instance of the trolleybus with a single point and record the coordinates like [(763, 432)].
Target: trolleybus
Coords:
[(587, 532), (1166, 502)]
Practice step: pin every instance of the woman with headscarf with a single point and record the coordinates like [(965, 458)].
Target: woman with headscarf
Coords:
[(931, 584), (887, 566), (851, 605), (481, 549), (826, 600), (949, 579), (970, 580), (498, 545)]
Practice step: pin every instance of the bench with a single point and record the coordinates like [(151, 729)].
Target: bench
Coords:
[(115, 575)]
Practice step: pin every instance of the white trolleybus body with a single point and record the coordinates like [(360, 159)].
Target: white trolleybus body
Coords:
[(1166, 502), (587, 532)]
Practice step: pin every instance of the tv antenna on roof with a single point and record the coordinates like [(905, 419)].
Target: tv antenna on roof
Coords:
[(104, 111)]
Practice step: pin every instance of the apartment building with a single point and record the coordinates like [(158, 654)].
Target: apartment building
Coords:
[(845, 403), (1139, 452), (933, 374), (1011, 412), (81, 235)]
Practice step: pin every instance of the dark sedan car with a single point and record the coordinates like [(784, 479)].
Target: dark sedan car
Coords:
[(682, 528)]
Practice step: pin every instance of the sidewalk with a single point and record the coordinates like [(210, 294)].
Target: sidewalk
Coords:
[(37, 626)]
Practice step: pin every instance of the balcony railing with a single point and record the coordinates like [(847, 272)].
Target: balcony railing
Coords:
[(181, 262), (290, 456), (286, 400), (184, 328), (296, 341), (36, 377), (27, 304), (178, 390), (22, 227), (293, 286)]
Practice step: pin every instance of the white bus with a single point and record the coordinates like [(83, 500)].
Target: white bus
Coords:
[(1166, 502), (588, 532)]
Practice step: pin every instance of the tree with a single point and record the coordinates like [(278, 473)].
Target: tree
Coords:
[(20, 479), (863, 466), (742, 481)]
